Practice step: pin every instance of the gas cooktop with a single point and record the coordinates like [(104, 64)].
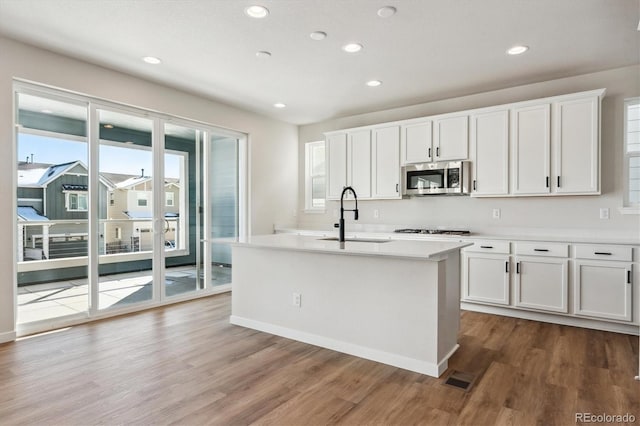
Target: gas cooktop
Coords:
[(432, 231)]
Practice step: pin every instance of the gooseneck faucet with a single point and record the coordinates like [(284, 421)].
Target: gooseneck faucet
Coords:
[(342, 210)]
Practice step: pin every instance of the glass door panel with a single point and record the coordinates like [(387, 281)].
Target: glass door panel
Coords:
[(126, 234), (182, 270), (222, 200), (52, 195)]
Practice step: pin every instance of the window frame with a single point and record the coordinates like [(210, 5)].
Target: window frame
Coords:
[(628, 207), (309, 176), (169, 196), (77, 194)]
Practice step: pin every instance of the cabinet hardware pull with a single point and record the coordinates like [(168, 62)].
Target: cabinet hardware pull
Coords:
[(396, 187), (474, 185), (506, 266), (558, 181), (604, 253), (517, 267), (547, 181), (429, 153), (486, 246), (629, 276), (540, 249), (438, 151)]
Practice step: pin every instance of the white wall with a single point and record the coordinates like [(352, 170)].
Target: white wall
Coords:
[(273, 154), (560, 215)]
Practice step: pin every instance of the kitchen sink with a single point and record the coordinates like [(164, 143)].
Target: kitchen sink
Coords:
[(356, 240)]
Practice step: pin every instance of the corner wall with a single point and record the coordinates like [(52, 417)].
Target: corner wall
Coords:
[(531, 215), (273, 144)]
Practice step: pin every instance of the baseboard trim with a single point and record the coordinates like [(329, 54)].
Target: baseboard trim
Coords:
[(406, 363), (553, 319), (9, 336)]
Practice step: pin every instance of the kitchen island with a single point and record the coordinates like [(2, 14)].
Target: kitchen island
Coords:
[(395, 302)]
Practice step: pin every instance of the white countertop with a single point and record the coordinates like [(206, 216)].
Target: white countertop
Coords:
[(413, 249)]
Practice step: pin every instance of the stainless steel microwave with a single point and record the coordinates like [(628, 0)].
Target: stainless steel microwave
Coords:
[(436, 178)]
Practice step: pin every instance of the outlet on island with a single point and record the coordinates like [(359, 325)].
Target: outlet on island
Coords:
[(296, 299)]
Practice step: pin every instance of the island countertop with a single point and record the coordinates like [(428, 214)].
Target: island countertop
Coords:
[(427, 250)]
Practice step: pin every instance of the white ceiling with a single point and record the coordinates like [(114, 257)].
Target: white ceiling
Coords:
[(430, 49)]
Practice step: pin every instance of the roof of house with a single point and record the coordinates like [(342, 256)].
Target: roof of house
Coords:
[(40, 175), (28, 213)]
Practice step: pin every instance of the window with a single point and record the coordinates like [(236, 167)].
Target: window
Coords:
[(76, 202), (142, 199), (632, 154), (315, 179), (169, 199), (118, 233)]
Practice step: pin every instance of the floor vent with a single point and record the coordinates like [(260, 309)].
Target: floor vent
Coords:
[(460, 380)]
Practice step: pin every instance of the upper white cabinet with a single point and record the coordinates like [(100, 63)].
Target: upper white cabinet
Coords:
[(576, 146), (416, 143), (451, 138), (530, 146), (336, 153), (386, 164), (490, 153)]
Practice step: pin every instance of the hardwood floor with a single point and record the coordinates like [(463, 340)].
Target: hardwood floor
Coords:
[(185, 364)]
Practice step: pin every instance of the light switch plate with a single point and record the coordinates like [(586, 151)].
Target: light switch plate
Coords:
[(496, 213), (604, 213)]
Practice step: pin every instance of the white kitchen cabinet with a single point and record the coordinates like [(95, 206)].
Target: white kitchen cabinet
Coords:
[(386, 163), (359, 163), (490, 153), (451, 138), (485, 278), (530, 146), (576, 147), (541, 283), (603, 289), (336, 154), (416, 143)]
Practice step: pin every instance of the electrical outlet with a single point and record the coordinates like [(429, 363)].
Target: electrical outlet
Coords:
[(604, 213), (296, 299), (496, 213), (376, 214)]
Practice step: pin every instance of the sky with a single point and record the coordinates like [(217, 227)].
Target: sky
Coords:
[(113, 159)]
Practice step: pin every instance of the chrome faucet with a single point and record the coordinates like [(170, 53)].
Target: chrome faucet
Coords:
[(342, 210)]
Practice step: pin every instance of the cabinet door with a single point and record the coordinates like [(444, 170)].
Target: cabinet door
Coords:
[(603, 289), (541, 283), (336, 165), (576, 146), (359, 163), (451, 138), (386, 163), (530, 149), (490, 153), (416, 143), (486, 278)]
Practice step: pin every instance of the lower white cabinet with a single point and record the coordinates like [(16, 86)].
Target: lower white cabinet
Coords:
[(486, 278), (542, 283), (603, 289)]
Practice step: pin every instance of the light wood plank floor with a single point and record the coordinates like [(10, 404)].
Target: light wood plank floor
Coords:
[(185, 364)]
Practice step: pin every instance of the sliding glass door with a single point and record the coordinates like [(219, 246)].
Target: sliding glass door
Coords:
[(119, 207)]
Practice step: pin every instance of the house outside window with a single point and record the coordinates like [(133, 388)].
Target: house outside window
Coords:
[(143, 199), (632, 155), (169, 199), (315, 176), (76, 202)]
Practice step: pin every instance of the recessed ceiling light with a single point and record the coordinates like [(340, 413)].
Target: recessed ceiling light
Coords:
[(352, 47), (108, 126), (318, 35), (374, 83), (152, 60), (263, 54), (256, 11), (517, 50), (385, 12), (279, 105), (46, 111)]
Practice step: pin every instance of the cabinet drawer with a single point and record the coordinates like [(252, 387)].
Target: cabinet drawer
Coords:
[(489, 246), (602, 252), (542, 249)]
